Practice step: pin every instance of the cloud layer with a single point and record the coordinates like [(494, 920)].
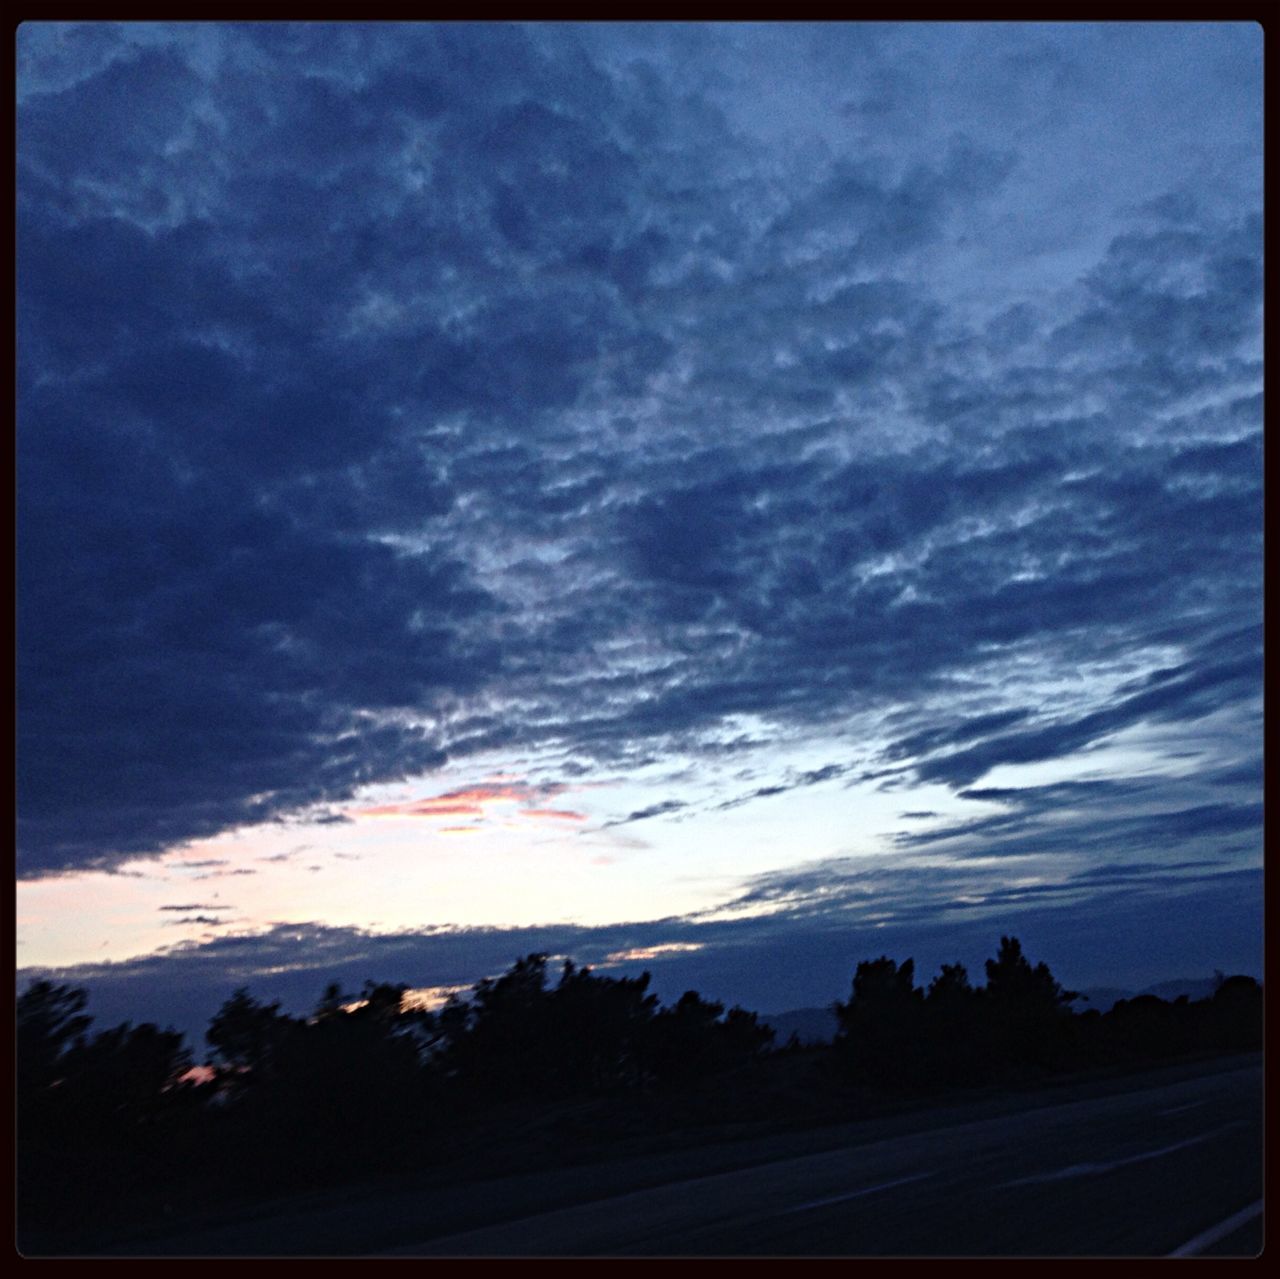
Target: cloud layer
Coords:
[(392, 394), (803, 952)]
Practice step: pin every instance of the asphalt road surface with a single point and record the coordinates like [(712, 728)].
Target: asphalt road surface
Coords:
[(1172, 1169), (1156, 1165)]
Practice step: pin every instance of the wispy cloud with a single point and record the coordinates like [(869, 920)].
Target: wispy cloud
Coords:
[(474, 801), (651, 810)]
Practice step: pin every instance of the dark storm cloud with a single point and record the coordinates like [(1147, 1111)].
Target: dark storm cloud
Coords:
[(391, 393)]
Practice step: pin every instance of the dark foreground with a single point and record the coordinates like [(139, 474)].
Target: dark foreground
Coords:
[(1166, 1162)]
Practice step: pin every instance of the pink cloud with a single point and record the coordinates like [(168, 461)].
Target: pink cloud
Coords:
[(471, 801)]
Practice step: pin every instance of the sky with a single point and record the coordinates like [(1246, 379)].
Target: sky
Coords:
[(720, 500)]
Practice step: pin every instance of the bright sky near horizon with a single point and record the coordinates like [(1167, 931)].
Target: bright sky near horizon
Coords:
[(729, 499)]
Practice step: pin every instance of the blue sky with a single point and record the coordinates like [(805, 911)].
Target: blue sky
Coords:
[(729, 499)]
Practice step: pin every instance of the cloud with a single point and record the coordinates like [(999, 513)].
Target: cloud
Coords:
[(389, 395), (472, 801), (794, 955), (651, 810), (793, 780), (656, 951), (287, 855), (1183, 693)]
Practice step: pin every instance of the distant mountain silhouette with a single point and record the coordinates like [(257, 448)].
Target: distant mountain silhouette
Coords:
[(1192, 987), (810, 1025), (1104, 998)]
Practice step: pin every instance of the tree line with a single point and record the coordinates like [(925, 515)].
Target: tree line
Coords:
[(369, 1083), (893, 1033)]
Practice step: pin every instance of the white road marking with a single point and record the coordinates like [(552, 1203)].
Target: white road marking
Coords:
[(1207, 1238), (853, 1194), (1177, 1110), (1089, 1170)]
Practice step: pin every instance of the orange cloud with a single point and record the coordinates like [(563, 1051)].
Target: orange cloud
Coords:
[(471, 801), (421, 808), (652, 952)]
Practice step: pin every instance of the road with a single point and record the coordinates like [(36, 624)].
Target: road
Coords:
[(1141, 1174), (1149, 1166)]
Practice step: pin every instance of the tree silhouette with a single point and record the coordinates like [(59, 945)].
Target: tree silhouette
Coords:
[(50, 1024), (98, 1117), (1028, 1012), (318, 1096), (743, 1035), (367, 1086), (497, 1041), (516, 1037), (353, 1077), (69, 1079), (1146, 1026), (950, 988), (696, 1039), (126, 1072), (956, 1044), (880, 1035), (1235, 1015), (1012, 982), (600, 1025), (247, 1038), (519, 1037)]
